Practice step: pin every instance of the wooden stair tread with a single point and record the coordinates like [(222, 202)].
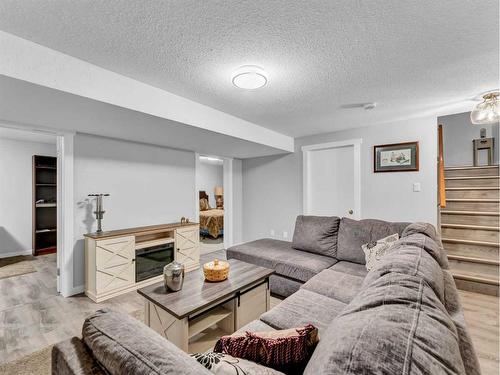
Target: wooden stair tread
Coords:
[(463, 258), (484, 200), (470, 167), (473, 188), (467, 226), (476, 213), (472, 178), (470, 242), (472, 276)]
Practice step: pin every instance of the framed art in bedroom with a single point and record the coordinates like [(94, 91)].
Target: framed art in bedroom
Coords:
[(396, 157)]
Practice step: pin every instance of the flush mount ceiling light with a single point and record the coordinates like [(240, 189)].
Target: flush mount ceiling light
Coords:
[(249, 77), (488, 111)]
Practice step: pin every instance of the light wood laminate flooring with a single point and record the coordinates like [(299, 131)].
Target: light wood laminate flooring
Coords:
[(33, 315)]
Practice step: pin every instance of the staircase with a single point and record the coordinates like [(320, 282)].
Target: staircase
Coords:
[(470, 227)]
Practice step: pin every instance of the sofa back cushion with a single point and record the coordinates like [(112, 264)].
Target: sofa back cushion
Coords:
[(316, 234), (124, 346), (353, 234), (395, 325), (416, 255)]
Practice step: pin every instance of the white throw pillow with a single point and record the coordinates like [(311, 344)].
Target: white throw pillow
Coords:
[(377, 249), (224, 364)]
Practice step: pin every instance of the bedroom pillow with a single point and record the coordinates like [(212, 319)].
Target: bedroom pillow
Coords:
[(316, 234), (377, 249), (204, 205)]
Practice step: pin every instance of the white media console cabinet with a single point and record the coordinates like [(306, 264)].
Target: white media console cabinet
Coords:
[(120, 261)]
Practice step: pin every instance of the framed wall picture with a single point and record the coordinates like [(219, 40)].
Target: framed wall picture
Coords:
[(396, 157)]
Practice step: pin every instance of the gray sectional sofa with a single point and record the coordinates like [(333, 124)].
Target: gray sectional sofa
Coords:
[(401, 317), (319, 243)]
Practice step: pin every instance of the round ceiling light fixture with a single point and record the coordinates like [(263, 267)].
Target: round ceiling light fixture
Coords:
[(249, 77), (488, 111)]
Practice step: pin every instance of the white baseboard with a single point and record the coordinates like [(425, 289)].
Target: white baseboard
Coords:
[(16, 253)]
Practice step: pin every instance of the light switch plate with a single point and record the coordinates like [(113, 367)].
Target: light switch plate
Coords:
[(416, 186)]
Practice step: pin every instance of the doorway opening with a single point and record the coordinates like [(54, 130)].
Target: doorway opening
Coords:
[(212, 209), (28, 214)]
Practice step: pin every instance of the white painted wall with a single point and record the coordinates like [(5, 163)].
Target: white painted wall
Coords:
[(148, 185), (272, 185), (209, 175), (458, 133), (16, 193)]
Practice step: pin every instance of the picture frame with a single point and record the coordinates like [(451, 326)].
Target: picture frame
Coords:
[(396, 157)]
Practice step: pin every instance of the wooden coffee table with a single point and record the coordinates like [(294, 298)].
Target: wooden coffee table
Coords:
[(196, 316)]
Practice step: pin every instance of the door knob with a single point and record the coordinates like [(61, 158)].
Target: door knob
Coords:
[(351, 212)]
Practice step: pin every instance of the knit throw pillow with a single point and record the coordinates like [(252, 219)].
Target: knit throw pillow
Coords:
[(377, 249), (277, 349)]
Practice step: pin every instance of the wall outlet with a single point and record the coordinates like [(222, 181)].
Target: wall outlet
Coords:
[(272, 232), (416, 186), (285, 234)]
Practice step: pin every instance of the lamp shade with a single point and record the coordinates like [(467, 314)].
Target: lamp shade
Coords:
[(488, 111), (218, 190)]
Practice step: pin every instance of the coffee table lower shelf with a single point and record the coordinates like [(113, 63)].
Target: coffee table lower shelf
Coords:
[(200, 331)]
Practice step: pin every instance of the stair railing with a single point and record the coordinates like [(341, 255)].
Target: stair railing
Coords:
[(441, 182)]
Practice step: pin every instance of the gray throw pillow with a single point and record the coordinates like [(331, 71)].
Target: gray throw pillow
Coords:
[(355, 233), (316, 234)]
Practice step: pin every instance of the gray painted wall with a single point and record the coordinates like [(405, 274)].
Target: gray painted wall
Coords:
[(148, 185), (458, 133), (272, 185), (210, 175), (16, 193)]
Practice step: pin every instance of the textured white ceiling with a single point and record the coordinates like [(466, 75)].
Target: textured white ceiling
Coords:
[(408, 56)]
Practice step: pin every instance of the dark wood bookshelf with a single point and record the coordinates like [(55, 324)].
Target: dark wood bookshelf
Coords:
[(44, 204)]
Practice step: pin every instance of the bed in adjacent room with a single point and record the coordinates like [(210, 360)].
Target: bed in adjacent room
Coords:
[(211, 219)]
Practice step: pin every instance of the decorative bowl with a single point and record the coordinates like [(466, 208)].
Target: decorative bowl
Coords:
[(217, 270)]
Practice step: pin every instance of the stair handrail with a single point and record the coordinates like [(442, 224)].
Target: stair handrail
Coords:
[(441, 181)]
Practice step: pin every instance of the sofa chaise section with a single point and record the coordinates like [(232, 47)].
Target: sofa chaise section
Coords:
[(282, 257)]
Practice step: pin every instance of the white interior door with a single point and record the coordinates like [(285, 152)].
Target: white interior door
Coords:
[(332, 179)]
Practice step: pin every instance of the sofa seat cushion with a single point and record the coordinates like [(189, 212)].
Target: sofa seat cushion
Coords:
[(301, 308), (283, 286), (354, 269), (395, 325), (316, 234), (280, 256), (353, 234), (125, 346), (337, 285)]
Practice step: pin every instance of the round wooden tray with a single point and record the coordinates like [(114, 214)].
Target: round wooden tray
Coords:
[(218, 270)]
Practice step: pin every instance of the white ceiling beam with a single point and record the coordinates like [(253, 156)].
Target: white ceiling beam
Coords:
[(31, 62)]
